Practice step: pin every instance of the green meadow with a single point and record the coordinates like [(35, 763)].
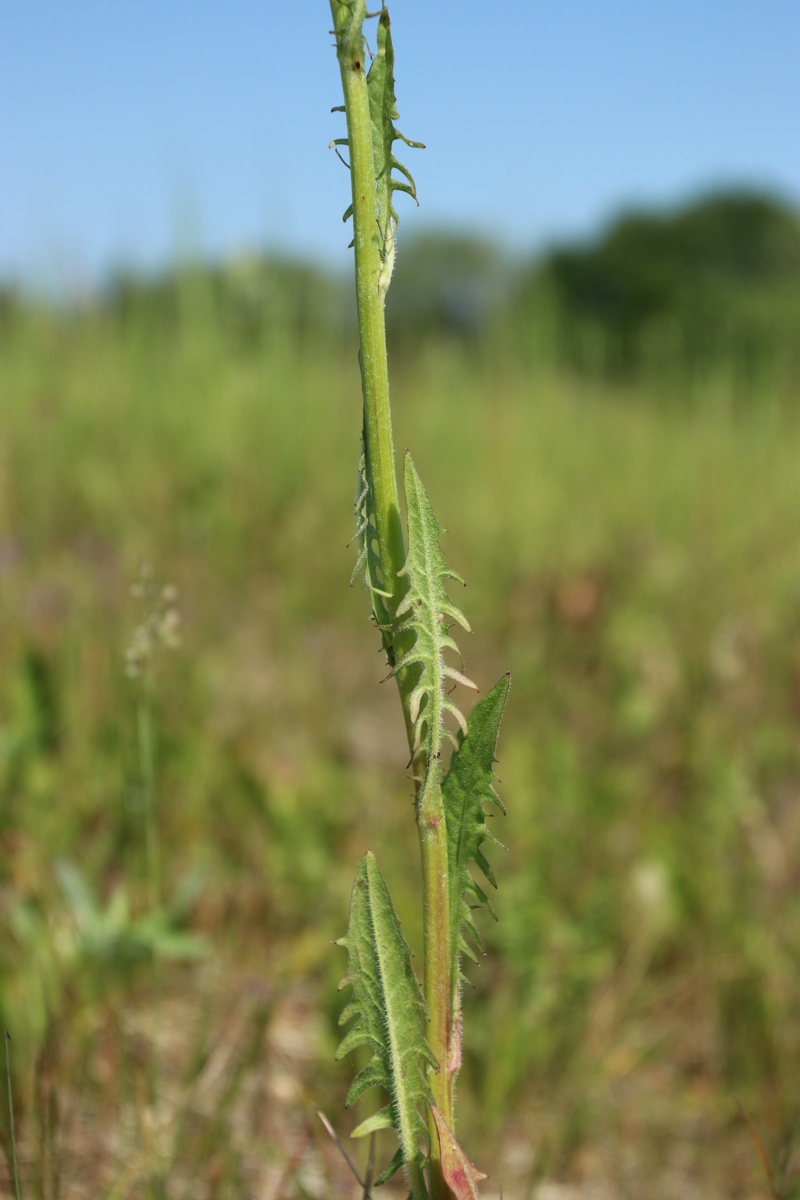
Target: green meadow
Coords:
[(177, 848)]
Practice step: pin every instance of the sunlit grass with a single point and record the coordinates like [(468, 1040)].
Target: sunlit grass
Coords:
[(644, 974)]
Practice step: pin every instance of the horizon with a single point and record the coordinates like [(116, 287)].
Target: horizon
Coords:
[(341, 268)]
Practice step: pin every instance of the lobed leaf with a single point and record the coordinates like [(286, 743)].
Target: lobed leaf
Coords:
[(368, 563), (384, 133), (383, 114), (424, 610), (388, 1006), (467, 789)]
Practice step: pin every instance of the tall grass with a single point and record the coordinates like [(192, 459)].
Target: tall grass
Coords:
[(634, 564)]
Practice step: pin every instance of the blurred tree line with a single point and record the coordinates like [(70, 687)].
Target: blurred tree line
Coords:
[(657, 295), (715, 281)]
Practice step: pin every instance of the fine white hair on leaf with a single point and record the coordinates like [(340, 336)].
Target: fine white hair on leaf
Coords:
[(387, 259)]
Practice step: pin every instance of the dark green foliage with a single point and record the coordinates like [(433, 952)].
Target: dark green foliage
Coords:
[(717, 277), (712, 286)]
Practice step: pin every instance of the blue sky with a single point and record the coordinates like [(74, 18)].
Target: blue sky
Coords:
[(133, 132)]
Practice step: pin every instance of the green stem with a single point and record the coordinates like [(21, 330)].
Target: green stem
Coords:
[(379, 447), (369, 297), (437, 989)]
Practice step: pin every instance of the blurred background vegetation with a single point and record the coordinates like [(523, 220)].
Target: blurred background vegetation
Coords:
[(610, 432)]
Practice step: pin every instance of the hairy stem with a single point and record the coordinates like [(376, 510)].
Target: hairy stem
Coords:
[(369, 296), (437, 986), (370, 228)]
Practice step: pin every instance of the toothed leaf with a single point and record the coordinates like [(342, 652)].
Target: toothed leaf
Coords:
[(362, 512), (348, 20), (394, 1164), (368, 563), (428, 612), (388, 1006), (383, 114), (467, 789)]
